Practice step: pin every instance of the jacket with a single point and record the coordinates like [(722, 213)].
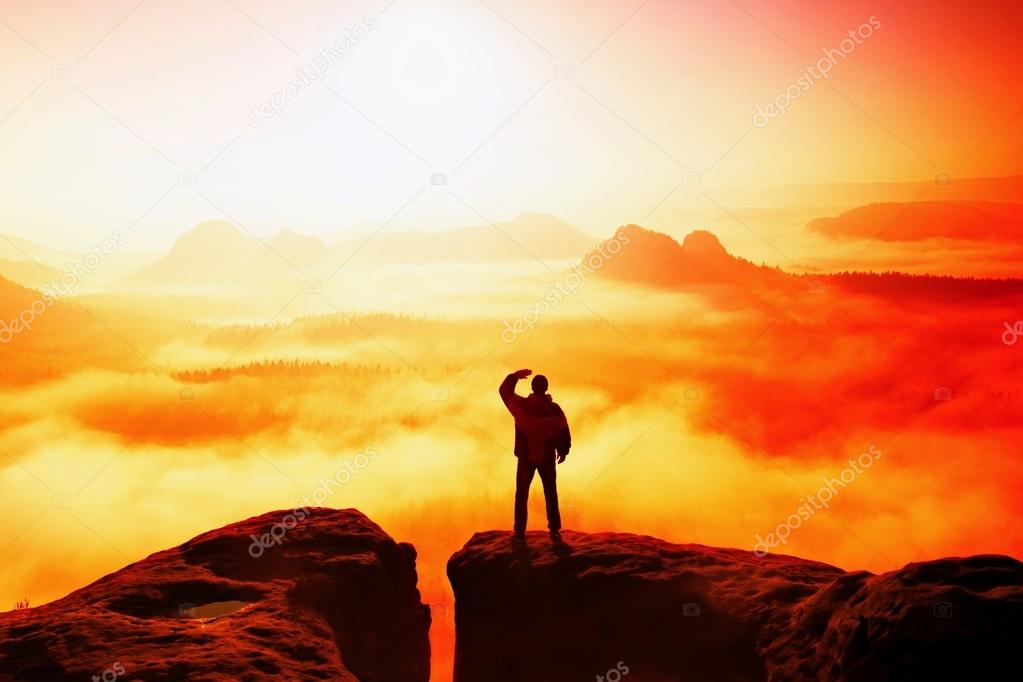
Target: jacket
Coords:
[(541, 429)]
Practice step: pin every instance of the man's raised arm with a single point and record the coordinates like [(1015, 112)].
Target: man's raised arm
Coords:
[(507, 391)]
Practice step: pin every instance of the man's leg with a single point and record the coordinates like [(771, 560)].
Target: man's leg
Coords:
[(523, 479), (549, 478)]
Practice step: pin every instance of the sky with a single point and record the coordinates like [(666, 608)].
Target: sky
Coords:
[(143, 119), (120, 114)]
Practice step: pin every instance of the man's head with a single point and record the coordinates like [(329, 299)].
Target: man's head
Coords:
[(540, 384)]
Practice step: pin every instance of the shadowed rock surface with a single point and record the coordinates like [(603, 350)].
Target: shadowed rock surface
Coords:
[(666, 612), (336, 600)]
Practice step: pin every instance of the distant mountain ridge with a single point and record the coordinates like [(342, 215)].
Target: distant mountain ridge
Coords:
[(215, 252), (654, 259), (976, 221), (14, 298), (16, 248), (30, 264), (30, 320), (942, 186), (221, 253), (528, 237), (26, 273)]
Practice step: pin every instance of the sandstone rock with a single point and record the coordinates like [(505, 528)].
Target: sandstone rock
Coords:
[(616, 606), (335, 600)]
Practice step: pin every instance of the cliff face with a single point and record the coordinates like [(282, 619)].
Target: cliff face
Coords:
[(616, 606), (332, 597)]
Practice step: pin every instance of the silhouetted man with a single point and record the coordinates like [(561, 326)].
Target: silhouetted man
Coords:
[(541, 439)]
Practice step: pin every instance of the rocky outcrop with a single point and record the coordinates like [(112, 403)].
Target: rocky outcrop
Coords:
[(326, 597), (616, 606), (643, 256), (950, 619)]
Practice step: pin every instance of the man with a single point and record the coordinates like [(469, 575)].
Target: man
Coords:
[(541, 439)]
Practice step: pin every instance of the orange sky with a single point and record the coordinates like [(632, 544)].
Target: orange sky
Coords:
[(138, 117), (472, 90)]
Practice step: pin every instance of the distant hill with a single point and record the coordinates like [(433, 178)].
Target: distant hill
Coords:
[(33, 323), (44, 338), (908, 222), (530, 236), (937, 188), (654, 258), (14, 248), (35, 266), (302, 250), (219, 253), (59, 317), (14, 298), (26, 273), (701, 263)]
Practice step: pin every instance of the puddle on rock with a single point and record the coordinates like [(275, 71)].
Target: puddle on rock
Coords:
[(212, 610)]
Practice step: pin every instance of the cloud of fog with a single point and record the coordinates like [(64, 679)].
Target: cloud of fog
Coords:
[(693, 427)]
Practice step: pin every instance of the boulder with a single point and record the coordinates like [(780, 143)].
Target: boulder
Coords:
[(317, 594), (612, 606)]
